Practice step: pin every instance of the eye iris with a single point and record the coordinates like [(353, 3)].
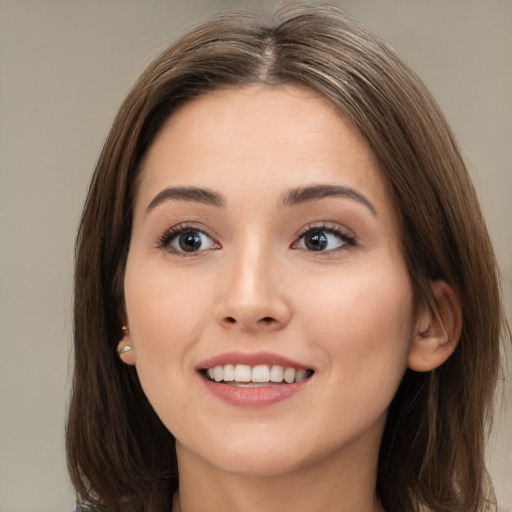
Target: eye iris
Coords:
[(190, 241), (316, 241)]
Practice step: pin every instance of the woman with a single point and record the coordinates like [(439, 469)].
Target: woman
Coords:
[(286, 297)]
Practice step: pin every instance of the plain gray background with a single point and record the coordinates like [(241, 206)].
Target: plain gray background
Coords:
[(65, 67)]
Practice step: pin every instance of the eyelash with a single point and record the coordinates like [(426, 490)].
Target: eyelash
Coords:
[(165, 240), (334, 229)]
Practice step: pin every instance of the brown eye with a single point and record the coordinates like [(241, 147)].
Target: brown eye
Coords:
[(324, 239), (186, 240), (189, 241), (316, 240)]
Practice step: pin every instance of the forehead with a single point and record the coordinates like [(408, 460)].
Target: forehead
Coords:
[(240, 140)]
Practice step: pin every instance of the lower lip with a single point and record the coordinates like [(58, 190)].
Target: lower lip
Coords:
[(254, 396)]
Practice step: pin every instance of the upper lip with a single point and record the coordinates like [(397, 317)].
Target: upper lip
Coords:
[(254, 359)]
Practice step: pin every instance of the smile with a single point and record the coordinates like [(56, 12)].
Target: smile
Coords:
[(244, 375), (254, 380)]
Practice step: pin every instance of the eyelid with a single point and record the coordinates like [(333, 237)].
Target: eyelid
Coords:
[(346, 234), (328, 226), (165, 239)]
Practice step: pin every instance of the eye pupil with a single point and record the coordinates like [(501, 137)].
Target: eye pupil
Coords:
[(316, 241), (190, 241)]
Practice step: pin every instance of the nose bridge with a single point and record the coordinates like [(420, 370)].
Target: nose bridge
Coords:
[(252, 296)]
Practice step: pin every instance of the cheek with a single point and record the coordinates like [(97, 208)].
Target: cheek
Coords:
[(166, 316), (362, 321), (164, 308), (361, 332)]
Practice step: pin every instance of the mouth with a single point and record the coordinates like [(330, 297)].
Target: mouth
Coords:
[(254, 380), (262, 375)]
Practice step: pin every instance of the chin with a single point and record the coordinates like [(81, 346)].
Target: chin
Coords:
[(260, 463), (249, 453), (259, 454)]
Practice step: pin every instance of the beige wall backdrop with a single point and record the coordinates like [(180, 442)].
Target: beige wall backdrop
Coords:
[(64, 68)]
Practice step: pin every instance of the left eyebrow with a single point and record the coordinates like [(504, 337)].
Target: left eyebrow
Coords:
[(301, 195), (194, 194)]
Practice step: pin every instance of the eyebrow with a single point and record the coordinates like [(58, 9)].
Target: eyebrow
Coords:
[(292, 197), (194, 194), (301, 195)]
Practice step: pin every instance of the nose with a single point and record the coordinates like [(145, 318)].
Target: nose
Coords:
[(253, 298)]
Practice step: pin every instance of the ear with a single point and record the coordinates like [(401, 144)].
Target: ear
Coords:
[(439, 329), (125, 348)]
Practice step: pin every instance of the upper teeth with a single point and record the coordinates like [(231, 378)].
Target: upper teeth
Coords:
[(260, 373)]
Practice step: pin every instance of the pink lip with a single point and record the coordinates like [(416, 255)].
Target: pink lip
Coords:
[(251, 360), (252, 396)]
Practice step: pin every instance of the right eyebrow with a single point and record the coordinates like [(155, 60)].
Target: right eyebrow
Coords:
[(194, 194), (319, 191)]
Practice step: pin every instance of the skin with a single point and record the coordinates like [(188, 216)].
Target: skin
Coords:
[(346, 311)]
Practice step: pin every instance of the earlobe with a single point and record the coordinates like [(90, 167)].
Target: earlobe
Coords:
[(125, 349), (439, 329)]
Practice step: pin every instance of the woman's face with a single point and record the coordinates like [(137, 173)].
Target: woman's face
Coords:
[(269, 307)]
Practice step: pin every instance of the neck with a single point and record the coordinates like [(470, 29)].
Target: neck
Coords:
[(325, 487)]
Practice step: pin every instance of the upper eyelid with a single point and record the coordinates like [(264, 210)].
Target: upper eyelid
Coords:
[(328, 226), (192, 226)]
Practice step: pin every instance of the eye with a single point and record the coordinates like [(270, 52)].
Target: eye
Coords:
[(185, 240), (324, 239)]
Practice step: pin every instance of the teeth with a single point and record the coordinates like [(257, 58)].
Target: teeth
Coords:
[(229, 373), (261, 373), (242, 373), (276, 373), (218, 373), (257, 374), (289, 375), (301, 375)]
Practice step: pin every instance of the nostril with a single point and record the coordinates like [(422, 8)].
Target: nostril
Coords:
[(264, 322)]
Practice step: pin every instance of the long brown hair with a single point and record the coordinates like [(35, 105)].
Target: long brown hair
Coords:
[(120, 455)]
